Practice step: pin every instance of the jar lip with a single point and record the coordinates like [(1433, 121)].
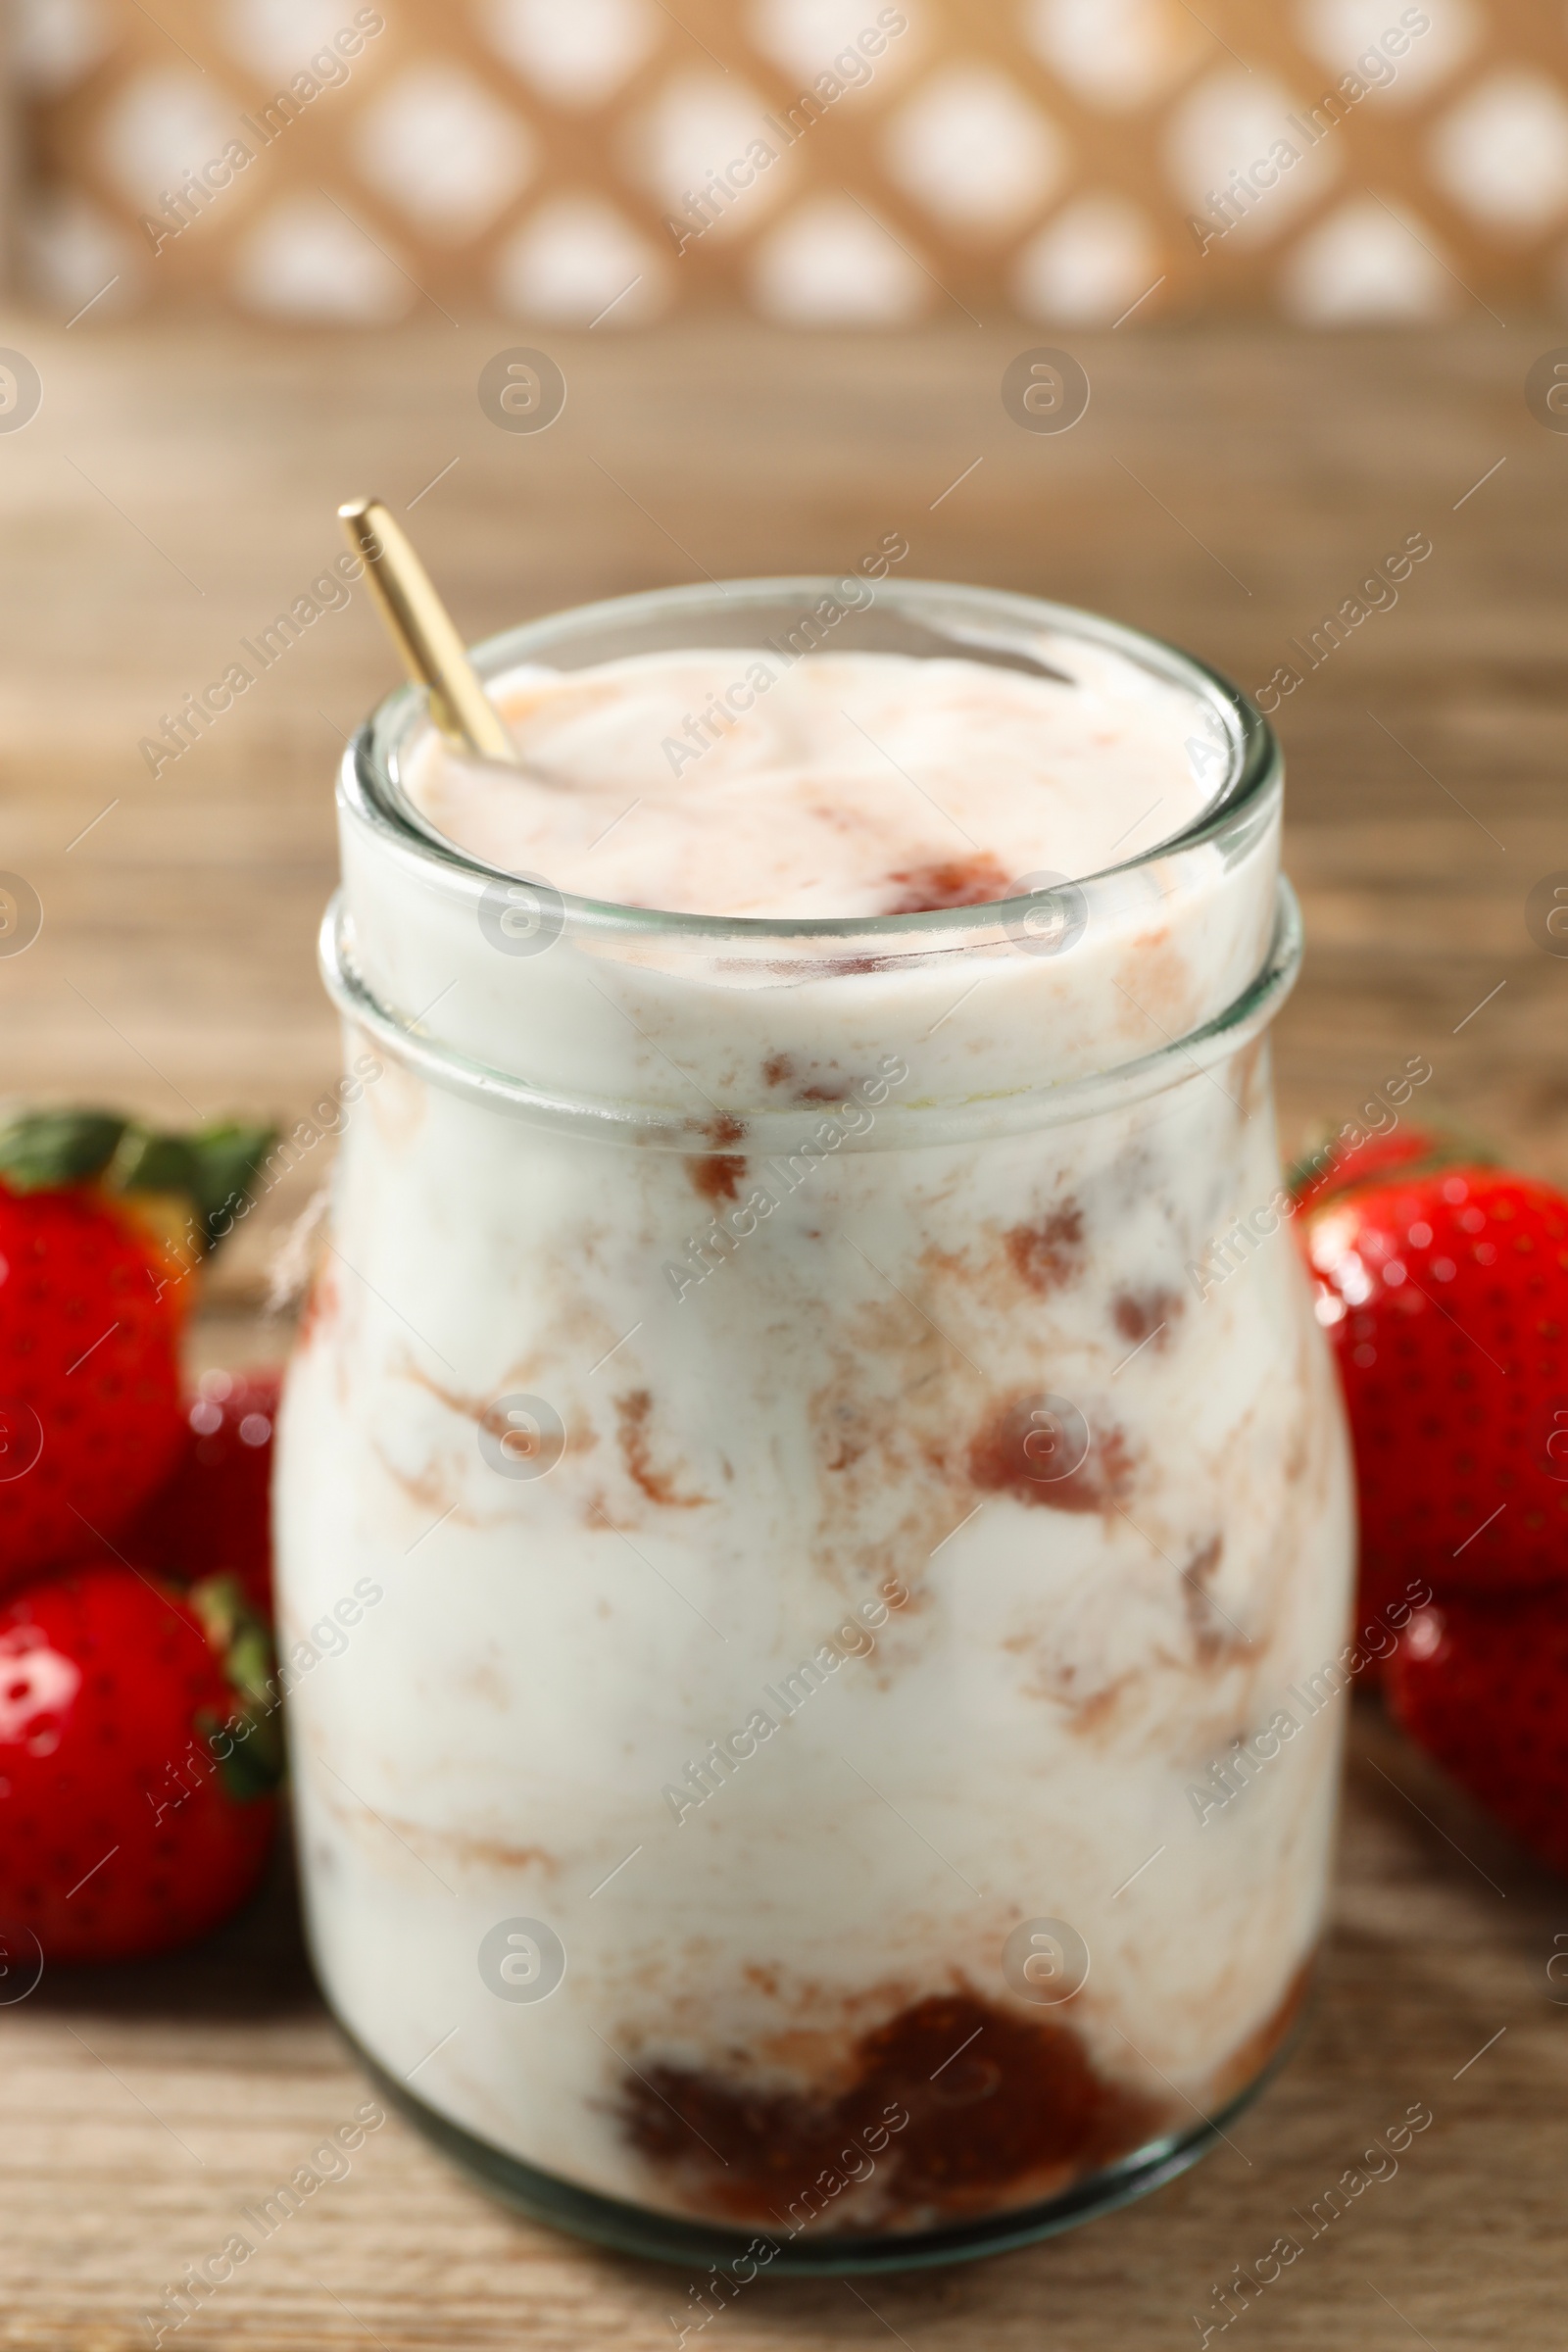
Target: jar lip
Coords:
[(371, 789)]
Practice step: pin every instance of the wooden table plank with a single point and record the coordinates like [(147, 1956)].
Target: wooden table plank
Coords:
[(175, 491)]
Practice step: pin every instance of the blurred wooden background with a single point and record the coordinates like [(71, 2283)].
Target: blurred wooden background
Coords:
[(1042, 157), (175, 492)]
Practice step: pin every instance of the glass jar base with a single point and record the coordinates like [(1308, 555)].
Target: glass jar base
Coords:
[(664, 2237)]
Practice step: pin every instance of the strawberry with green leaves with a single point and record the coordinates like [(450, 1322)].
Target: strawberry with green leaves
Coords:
[(102, 1225), (139, 1748)]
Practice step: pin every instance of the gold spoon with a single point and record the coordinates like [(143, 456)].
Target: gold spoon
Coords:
[(421, 628)]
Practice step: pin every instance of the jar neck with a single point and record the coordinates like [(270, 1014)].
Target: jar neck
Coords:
[(876, 1109)]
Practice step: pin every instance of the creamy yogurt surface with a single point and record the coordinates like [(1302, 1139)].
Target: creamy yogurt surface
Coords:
[(722, 782)]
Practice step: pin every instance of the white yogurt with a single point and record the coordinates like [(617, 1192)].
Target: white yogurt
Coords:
[(794, 1362), (853, 784)]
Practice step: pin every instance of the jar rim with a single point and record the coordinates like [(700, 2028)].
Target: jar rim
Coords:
[(372, 787)]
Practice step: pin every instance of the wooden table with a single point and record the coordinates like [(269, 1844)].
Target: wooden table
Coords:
[(1226, 489)]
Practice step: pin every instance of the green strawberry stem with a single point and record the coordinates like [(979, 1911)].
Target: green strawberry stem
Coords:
[(249, 1746), (213, 1168), (1378, 1160)]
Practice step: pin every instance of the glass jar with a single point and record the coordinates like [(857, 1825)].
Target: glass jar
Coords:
[(801, 1579)]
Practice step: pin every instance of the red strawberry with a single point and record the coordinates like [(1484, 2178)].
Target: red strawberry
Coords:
[(121, 1832), (101, 1225), (1446, 1300), (89, 1375), (1343, 1167), (215, 1513), (1483, 1687)]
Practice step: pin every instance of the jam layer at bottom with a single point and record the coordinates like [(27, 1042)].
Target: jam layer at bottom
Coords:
[(742, 2256)]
